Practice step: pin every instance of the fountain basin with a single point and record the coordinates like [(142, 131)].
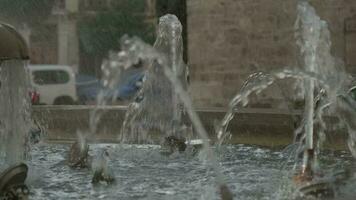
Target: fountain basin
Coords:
[(141, 172)]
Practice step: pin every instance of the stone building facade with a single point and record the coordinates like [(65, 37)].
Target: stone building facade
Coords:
[(230, 39)]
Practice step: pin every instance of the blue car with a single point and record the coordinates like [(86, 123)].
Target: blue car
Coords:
[(88, 87)]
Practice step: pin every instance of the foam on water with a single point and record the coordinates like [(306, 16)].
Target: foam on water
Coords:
[(143, 173)]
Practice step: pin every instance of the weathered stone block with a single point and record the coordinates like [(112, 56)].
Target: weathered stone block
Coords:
[(247, 36)]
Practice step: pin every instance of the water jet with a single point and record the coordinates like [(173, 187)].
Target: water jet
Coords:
[(14, 119)]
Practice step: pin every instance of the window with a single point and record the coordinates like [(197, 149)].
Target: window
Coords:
[(43, 77)]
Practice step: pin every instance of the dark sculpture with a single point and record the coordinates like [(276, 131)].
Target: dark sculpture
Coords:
[(172, 144), (225, 193), (78, 155), (101, 170), (12, 183), (12, 180), (317, 189), (12, 45)]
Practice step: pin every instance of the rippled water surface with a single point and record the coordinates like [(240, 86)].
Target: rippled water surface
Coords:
[(141, 172)]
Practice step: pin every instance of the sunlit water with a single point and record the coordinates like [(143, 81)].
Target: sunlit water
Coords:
[(141, 172)]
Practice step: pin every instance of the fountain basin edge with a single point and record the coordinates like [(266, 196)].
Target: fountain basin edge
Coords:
[(264, 127)]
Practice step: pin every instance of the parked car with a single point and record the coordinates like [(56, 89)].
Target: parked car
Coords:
[(54, 83), (88, 87), (130, 86)]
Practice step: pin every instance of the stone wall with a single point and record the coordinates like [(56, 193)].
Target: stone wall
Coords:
[(252, 126), (230, 39)]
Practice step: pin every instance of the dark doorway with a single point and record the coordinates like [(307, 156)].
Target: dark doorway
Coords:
[(178, 8)]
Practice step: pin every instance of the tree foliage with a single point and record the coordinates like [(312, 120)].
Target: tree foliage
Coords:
[(101, 33), (31, 12)]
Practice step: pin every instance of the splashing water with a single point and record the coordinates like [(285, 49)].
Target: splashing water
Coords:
[(318, 67), (347, 112), (15, 112), (318, 71), (166, 59), (111, 70), (257, 83), (111, 73), (159, 107)]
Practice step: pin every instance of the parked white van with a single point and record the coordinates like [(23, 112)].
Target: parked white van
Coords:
[(54, 83)]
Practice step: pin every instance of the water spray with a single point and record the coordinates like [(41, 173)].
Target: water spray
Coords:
[(14, 136)]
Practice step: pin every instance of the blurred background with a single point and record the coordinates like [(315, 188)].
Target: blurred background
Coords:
[(69, 39), (225, 41)]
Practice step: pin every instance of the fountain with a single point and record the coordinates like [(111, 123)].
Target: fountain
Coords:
[(15, 114), (310, 42), (78, 154), (321, 72), (140, 171), (159, 107), (101, 170), (163, 90)]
